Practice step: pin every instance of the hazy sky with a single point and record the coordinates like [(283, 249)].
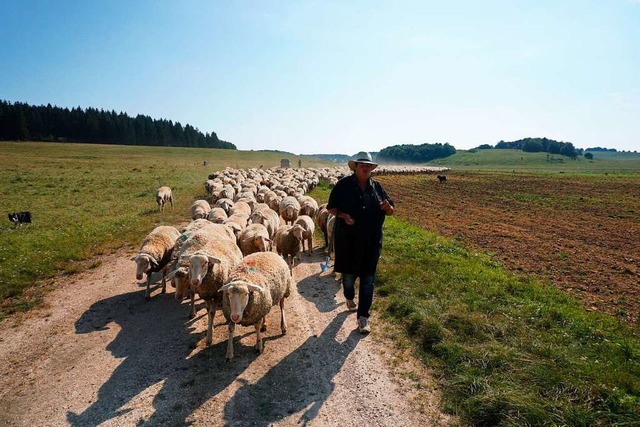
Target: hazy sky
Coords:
[(338, 76)]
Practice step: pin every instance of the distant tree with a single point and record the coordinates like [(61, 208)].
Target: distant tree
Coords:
[(408, 153), (588, 156), (532, 146), (484, 147)]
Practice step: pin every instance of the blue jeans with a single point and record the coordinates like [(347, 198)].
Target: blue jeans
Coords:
[(365, 293)]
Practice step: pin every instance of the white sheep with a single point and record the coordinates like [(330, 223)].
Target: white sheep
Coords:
[(307, 236), (191, 242), (225, 204), (155, 253), (321, 218), (237, 222), (254, 238), (164, 195), (217, 215), (260, 281), (267, 217), (240, 207), (200, 209), (209, 269), (288, 239), (308, 206), (289, 209)]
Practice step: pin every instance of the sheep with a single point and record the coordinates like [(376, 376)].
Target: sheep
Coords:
[(209, 269), (267, 217), (273, 200), (307, 236), (240, 207), (164, 195), (217, 215), (321, 218), (308, 206), (189, 242), (442, 178), (224, 204), (289, 209), (254, 238), (260, 281), (200, 209), (237, 222), (155, 253), (288, 238)]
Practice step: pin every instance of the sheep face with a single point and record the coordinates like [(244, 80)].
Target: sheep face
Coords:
[(179, 280), (238, 294), (199, 266), (144, 263)]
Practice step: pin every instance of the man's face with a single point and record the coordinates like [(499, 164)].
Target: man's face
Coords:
[(363, 170)]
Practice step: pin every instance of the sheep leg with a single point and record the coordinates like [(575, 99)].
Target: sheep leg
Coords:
[(264, 324), (211, 312), (147, 293), (283, 319), (192, 314), (258, 326), (164, 284), (232, 327)]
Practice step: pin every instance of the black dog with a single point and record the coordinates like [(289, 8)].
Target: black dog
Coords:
[(19, 218), (442, 178)]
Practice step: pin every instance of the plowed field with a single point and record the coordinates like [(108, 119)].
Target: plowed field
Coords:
[(580, 233)]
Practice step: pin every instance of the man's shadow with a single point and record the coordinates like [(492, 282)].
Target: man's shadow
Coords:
[(299, 381), (154, 342), (320, 289)]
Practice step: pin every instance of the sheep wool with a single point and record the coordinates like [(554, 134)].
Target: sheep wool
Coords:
[(271, 275)]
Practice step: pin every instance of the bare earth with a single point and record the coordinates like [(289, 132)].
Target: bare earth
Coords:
[(99, 354)]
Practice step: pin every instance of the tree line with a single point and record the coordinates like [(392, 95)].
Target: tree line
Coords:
[(536, 145), (24, 122), (408, 153)]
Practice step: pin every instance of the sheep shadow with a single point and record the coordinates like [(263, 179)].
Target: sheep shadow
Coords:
[(154, 343), (303, 379)]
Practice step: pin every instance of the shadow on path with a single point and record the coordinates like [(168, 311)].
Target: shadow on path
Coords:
[(154, 343), (303, 379)]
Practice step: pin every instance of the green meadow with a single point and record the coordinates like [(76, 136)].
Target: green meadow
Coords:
[(505, 349), (88, 200), (510, 160)]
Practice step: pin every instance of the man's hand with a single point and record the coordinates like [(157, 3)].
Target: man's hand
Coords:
[(386, 207)]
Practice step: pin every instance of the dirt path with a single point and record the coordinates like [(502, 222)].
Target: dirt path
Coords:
[(99, 354)]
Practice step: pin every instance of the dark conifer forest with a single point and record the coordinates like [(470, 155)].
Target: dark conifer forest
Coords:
[(24, 122)]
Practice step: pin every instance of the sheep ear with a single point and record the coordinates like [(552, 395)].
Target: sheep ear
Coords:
[(135, 257), (153, 261), (214, 260), (171, 275), (254, 288), (184, 257), (225, 287)]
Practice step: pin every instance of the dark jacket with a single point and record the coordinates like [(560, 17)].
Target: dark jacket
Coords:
[(357, 246)]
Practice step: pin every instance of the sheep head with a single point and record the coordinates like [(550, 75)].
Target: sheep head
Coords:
[(199, 266), (238, 294), (144, 263)]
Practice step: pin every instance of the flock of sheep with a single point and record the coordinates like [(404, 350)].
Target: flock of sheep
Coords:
[(239, 250)]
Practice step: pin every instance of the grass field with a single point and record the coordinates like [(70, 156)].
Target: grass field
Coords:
[(517, 160), (88, 199), (506, 346)]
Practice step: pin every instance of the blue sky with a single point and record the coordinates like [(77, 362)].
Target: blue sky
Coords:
[(338, 76)]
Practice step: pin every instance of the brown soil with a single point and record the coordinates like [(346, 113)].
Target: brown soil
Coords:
[(580, 233), (98, 353)]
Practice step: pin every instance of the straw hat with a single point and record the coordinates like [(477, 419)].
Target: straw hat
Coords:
[(362, 157)]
